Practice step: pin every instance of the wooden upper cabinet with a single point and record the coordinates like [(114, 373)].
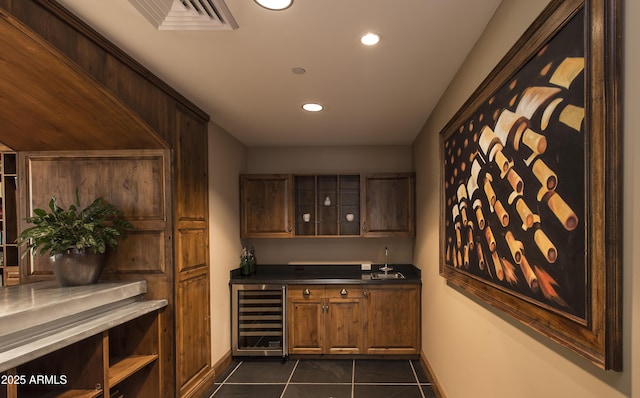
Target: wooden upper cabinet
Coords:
[(266, 205), (327, 205), (388, 202), (286, 206)]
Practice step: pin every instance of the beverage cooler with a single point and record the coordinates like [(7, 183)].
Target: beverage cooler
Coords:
[(258, 323)]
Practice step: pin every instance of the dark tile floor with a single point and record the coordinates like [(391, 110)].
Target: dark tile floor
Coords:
[(326, 378)]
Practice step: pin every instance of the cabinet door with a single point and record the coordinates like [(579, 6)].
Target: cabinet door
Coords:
[(393, 319), (306, 319), (344, 331), (194, 372), (388, 205), (266, 206)]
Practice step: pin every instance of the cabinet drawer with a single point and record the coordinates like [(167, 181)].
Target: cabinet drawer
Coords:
[(298, 292), (323, 291), (344, 291)]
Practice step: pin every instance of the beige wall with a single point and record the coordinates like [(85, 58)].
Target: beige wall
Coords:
[(226, 161), (475, 350), (330, 160)]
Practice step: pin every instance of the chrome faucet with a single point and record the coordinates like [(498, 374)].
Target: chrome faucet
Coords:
[(386, 267)]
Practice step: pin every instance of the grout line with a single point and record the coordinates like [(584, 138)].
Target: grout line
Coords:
[(225, 380), (289, 379), (353, 379), (415, 374)]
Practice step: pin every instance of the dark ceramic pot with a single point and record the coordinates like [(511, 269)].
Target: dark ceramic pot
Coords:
[(77, 267)]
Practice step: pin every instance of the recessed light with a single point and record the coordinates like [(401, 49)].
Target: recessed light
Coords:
[(370, 39), (312, 107), (275, 4)]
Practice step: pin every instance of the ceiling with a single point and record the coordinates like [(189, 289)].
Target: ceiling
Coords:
[(243, 78)]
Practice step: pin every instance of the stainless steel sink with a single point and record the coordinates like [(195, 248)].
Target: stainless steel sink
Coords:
[(388, 275)]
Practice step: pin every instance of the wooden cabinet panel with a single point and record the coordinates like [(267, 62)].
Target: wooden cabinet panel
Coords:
[(191, 168), (344, 329), (133, 181), (393, 319), (388, 205), (306, 333), (193, 340), (266, 206), (325, 320), (306, 319)]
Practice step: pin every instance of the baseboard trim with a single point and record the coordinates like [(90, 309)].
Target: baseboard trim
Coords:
[(435, 383), (223, 363)]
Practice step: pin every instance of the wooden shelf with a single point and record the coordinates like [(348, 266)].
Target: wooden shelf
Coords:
[(125, 367), (80, 394), (76, 393)]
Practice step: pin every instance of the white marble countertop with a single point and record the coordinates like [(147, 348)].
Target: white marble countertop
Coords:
[(39, 318)]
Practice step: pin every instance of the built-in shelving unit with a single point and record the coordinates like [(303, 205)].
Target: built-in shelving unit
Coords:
[(9, 272), (100, 340), (327, 205)]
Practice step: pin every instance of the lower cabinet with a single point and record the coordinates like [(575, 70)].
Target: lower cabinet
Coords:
[(393, 319), (354, 319), (326, 319)]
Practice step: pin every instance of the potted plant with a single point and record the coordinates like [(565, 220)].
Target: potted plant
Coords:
[(75, 240)]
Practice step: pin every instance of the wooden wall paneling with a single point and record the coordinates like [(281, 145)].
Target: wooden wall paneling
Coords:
[(134, 181), (184, 132), (193, 339), (146, 94), (138, 182), (85, 115), (191, 168)]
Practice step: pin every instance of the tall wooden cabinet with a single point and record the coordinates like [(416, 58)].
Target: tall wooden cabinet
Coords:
[(193, 324), (148, 156)]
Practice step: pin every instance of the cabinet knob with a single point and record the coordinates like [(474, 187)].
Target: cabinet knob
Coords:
[(365, 293), (306, 292), (364, 226), (343, 292)]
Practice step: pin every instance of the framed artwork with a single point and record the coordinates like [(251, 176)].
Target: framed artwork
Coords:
[(531, 182)]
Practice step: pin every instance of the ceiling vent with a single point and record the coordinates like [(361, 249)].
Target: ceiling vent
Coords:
[(186, 14)]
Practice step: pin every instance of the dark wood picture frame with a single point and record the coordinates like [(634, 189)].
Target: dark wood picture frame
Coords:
[(530, 182)]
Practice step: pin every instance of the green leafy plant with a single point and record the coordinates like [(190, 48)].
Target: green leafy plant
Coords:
[(95, 227)]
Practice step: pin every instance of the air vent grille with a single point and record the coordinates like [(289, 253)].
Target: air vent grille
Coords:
[(186, 14)]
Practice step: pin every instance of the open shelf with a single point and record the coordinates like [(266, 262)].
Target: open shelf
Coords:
[(126, 367)]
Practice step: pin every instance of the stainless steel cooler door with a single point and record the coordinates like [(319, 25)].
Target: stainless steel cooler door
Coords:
[(259, 326)]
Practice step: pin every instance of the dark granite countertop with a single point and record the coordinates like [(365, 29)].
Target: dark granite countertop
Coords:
[(323, 274)]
